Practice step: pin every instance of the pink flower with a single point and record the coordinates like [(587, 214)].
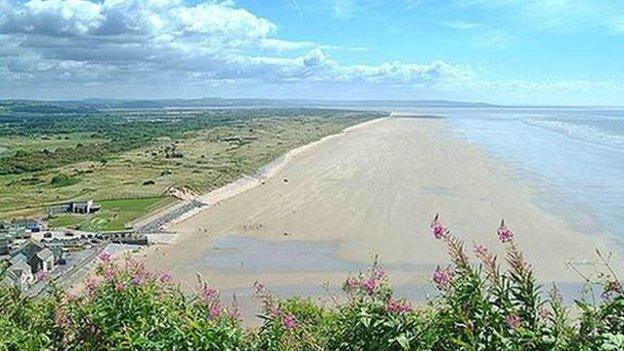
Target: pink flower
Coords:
[(165, 278), (70, 296), (207, 293), (138, 280), (120, 286), (513, 321), (216, 310), (136, 268), (369, 286), (505, 234), (235, 314), (481, 251), (442, 278), (288, 320), (109, 274), (439, 230), (275, 311), (104, 256), (92, 284), (394, 306)]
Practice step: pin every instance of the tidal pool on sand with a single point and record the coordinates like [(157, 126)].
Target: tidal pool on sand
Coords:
[(237, 254)]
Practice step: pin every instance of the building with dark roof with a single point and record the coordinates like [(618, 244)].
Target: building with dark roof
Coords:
[(19, 275)]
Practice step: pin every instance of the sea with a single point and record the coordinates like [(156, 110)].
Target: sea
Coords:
[(573, 156)]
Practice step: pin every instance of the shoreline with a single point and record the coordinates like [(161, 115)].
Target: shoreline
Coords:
[(241, 185), (265, 172), (409, 168), (551, 196)]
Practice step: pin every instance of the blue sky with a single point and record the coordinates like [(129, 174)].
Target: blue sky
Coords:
[(503, 51)]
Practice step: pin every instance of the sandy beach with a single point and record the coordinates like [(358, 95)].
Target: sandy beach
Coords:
[(371, 190)]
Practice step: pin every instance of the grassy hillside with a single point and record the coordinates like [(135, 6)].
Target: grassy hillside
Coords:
[(49, 158)]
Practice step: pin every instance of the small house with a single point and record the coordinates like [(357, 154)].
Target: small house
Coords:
[(57, 251), (38, 257), (77, 207), (42, 261), (83, 207), (19, 275), (20, 257)]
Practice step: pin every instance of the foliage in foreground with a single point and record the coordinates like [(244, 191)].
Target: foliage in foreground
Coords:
[(481, 306)]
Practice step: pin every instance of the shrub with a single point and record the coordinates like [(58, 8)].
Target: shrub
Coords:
[(62, 180), (481, 306)]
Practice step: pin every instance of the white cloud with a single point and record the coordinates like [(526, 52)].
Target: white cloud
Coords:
[(162, 47), (219, 19), (131, 17), (436, 73), (58, 17), (168, 41)]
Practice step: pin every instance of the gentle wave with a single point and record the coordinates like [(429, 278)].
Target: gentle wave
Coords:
[(575, 157), (583, 132)]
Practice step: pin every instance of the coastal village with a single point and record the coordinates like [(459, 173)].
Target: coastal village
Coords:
[(35, 251), (31, 253)]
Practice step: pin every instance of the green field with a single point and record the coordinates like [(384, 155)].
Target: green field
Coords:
[(40, 142), (114, 215), (140, 156)]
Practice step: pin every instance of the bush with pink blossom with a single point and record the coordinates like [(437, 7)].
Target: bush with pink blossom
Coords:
[(481, 304)]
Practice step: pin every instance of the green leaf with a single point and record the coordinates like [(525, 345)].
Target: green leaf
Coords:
[(403, 341)]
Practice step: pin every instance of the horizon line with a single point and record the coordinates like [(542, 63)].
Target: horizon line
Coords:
[(319, 100)]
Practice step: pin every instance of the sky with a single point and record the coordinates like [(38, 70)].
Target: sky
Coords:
[(559, 52)]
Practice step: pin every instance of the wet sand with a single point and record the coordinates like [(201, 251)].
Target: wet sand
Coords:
[(330, 207)]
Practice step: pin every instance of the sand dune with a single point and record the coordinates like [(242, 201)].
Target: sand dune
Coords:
[(370, 190)]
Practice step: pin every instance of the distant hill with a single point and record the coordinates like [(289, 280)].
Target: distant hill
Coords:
[(214, 102), (34, 107), (405, 103)]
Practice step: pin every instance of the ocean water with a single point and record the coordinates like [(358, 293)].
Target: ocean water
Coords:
[(573, 156)]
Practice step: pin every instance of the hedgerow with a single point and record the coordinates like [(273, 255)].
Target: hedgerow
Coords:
[(481, 305)]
